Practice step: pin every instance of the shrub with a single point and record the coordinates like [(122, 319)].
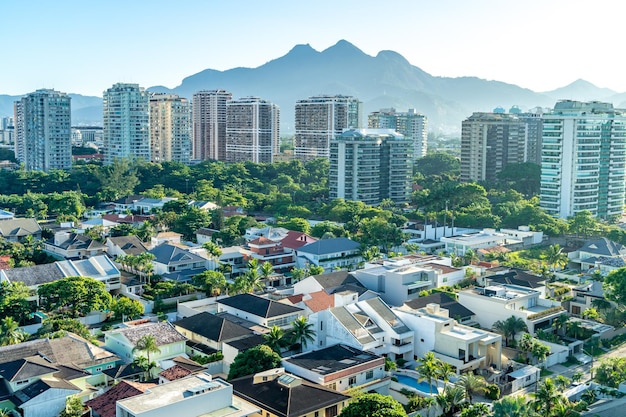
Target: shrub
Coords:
[(493, 392)]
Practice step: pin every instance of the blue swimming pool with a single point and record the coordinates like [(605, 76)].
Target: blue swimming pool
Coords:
[(413, 383)]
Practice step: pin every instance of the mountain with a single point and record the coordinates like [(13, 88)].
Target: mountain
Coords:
[(86, 110), (381, 81)]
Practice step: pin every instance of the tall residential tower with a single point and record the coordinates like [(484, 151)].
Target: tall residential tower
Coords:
[(320, 119), (252, 132), (126, 119), (583, 159), (43, 136), (371, 165), (411, 124), (209, 124), (170, 128)]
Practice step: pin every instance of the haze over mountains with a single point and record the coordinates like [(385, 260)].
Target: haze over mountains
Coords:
[(386, 80)]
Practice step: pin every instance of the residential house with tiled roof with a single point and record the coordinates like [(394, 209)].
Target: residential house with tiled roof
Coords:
[(6, 215), (368, 325), (192, 396), (125, 245), (585, 296), (181, 368), (260, 310), (104, 405), (455, 309), (171, 258), (122, 341), (334, 283), (132, 219), (73, 246), (280, 394), (339, 252), (17, 229), (340, 368), (596, 250)]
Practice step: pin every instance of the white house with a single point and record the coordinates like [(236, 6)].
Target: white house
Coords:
[(260, 310), (339, 252), (122, 341), (596, 252), (396, 282), (502, 301), (461, 346)]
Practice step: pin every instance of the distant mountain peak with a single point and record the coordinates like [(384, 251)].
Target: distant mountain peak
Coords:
[(344, 47), (301, 48)]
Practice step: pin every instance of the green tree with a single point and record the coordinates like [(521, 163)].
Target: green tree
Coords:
[(59, 326), (428, 369), (546, 397), (125, 308), (148, 344), (583, 223), (14, 301), (373, 405), (450, 400), (213, 283), (10, 333), (475, 410), (510, 327), (524, 178), (276, 339), (302, 332), (315, 270), (297, 224), (437, 164), (266, 270), (555, 257), (471, 384), (74, 296), (257, 359), (513, 406), (73, 407), (611, 372), (117, 180), (615, 286)]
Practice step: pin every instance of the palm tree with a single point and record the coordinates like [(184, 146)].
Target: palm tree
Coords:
[(564, 409), (470, 256), (511, 406), (510, 327), (267, 269), (428, 369), (143, 363), (450, 400), (302, 332), (148, 344), (472, 384), (555, 257), (444, 372), (547, 397), (561, 382), (275, 339), (10, 332), (560, 323)]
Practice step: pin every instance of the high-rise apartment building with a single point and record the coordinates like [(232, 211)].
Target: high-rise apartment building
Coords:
[(371, 165), (319, 119), (43, 138), (209, 124), (7, 131), (411, 124), (170, 128), (583, 159), (489, 142), (252, 130), (126, 118)]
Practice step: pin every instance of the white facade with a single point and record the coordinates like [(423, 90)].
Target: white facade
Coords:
[(461, 346), (170, 128), (396, 283), (411, 124), (126, 118), (252, 130), (583, 159), (43, 139), (500, 302)]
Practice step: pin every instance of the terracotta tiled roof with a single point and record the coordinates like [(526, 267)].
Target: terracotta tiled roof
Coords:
[(104, 404), (295, 299), (319, 301), (445, 269), (261, 241), (175, 372), (295, 240)]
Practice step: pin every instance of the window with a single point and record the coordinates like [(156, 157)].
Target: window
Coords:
[(321, 325), (369, 374), (330, 411), (333, 386), (352, 380)]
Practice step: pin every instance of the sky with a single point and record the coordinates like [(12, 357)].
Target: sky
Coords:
[(84, 47)]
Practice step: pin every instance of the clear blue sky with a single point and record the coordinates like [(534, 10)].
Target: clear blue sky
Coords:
[(85, 46)]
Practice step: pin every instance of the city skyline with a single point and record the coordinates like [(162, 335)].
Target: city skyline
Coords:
[(101, 44)]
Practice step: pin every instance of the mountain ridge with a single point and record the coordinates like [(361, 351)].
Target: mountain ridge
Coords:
[(385, 80)]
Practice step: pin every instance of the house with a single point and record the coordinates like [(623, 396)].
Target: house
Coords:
[(17, 229), (514, 276), (104, 405), (192, 396), (461, 243), (341, 367), (455, 309), (523, 377), (105, 224), (233, 256), (339, 252), (499, 302), (39, 375), (204, 205), (333, 283), (70, 245), (166, 237), (204, 235), (259, 310), (368, 325), (122, 341), (464, 347), (170, 258), (98, 267), (584, 296), (180, 368), (134, 220), (280, 394), (125, 245), (141, 205), (6, 215), (266, 250), (597, 251)]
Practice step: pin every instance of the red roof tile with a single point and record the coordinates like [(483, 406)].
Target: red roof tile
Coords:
[(319, 301), (104, 404), (295, 240)]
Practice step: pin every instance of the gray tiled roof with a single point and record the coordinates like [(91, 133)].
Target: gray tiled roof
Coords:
[(173, 255), (604, 247), (259, 306), (19, 227), (131, 245), (332, 359), (212, 327), (328, 246), (350, 322), (164, 333), (35, 275), (455, 309)]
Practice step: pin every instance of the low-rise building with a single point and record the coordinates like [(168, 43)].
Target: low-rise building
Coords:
[(339, 252), (71, 245), (123, 341), (260, 310), (17, 229), (340, 368), (598, 251), (125, 245), (170, 258)]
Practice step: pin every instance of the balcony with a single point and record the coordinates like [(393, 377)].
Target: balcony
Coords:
[(461, 363)]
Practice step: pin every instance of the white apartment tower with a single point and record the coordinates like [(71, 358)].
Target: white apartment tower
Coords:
[(43, 137), (583, 159), (126, 119), (170, 128), (252, 130), (319, 119), (411, 124), (371, 165), (209, 124)]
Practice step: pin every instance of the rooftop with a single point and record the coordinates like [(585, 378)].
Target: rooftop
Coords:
[(213, 327), (259, 306), (332, 359), (163, 332)]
